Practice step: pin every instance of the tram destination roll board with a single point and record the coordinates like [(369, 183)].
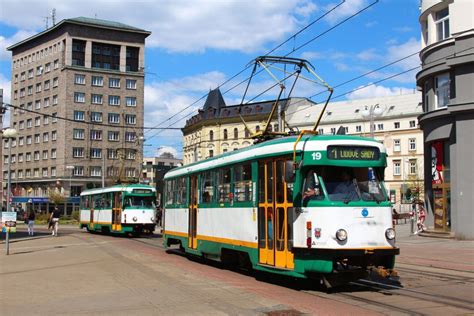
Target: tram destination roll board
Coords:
[(353, 153)]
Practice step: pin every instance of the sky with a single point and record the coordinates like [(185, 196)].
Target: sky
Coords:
[(198, 45)]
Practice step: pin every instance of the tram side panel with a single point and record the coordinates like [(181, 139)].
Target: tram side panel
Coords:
[(230, 227), (176, 226)]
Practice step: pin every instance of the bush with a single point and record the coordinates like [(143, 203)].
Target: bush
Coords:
[(75, 215)]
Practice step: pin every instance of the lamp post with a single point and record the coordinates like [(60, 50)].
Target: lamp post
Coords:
[(9, 134), (370, 113)]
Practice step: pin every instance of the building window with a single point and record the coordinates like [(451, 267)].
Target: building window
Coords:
[(45, 137), (45, 172), (225, 134), (78, 133), (96, 117), (36, 155), (78, 52), (236, 133), (54, 118), (47, 67), (211, 153), (45, 154), (29, 123), (37, 138), (39, 70), (131, 101), (30, 73), (55, 100), (54, 135), (96, 153), (46, 102), (78, 171), (30, 90), (412, 144), (96, 135), (38, 121), (96, 98), (78, 152), (396, 145), (211, 136), (442, 24), (426, 99), (413, 167), (79, 97), (114, 100), (114, 82), (46, 120), (28, 157), (55, 82), (114, 136), (79, 79), (130, 136), (79, 115), (442, 90), (114, 118), (105, 56), (321, 131), (131, 62), (380, 127), (412, 124), (36, 172), (112, 154), (130, 119), (38, 87), (97, 81), (38, 105), (131, 84), (396, 125), (53, 153), (28, 140), (53, 171), (333, 130)]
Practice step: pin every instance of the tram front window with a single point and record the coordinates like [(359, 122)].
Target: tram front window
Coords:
[(354, 184), (139, 202), (344, 184)]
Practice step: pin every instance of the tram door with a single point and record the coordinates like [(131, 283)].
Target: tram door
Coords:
[(275, 214), (117, 211), (193, 203)]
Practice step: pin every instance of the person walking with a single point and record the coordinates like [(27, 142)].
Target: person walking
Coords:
[(31, 222), (54, 220)]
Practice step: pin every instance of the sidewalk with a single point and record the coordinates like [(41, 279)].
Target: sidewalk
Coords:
[(434, 252)]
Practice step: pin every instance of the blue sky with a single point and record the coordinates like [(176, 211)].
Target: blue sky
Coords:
[(197, 45)]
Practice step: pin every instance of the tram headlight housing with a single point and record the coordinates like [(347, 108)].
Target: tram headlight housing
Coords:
[(390, 233), (341, 235), (134, 218)]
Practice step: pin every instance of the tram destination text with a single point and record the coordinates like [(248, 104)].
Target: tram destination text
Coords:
[(353, 153)]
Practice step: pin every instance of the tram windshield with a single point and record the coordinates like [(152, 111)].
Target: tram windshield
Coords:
[(139, 202), (345, 184)]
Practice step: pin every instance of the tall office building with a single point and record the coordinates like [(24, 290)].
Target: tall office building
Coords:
[(447, 81), (78, 93)]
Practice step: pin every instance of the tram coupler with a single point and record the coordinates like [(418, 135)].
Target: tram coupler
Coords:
[(338, 278), (383, 272)]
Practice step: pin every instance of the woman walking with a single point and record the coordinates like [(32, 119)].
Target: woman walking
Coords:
[(54, 220), (31, 222)]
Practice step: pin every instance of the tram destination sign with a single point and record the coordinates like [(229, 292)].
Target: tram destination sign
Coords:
[(353, 153)]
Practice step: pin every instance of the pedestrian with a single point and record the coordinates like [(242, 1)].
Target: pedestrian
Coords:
[(421, 218), (31, 222), (54, 221), (159, 216)]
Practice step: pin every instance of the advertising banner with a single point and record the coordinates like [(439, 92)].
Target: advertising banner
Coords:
[(9, 222)]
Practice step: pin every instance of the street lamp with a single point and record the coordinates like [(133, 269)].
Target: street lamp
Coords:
[(9, 134), (373, 111), (70, 178)]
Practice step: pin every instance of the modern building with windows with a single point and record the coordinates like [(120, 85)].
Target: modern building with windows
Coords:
[(447, 81), (78, 90), (218, 128)]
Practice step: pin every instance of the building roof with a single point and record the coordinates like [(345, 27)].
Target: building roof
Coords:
[(88, 22), (300, 113), (214, 100)]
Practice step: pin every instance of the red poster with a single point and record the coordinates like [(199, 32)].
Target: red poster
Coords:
[(437, 162)]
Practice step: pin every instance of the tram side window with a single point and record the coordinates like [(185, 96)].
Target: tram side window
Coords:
[(181, 191), (170, 192), (207, 187), (98, 201), (223, 185), (85, 202), (243, 182)]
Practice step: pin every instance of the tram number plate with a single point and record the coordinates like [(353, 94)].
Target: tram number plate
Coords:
[(353, 153)]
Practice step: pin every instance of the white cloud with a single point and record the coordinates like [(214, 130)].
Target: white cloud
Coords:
[(377, 91), (368, 54), (8, 41), (5, 84), (346, 9), (166, 149), (396, 52), (177, 26)]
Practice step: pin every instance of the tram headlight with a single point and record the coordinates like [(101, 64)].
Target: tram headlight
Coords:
[(341, 235), (134, 218), (390, 233)]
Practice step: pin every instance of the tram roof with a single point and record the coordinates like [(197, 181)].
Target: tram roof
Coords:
[(275, 147), (118, 187)]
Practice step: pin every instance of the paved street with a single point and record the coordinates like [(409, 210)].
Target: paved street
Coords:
[(82, 273)]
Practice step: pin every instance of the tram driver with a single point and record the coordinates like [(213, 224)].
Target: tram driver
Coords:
[(311, 187)]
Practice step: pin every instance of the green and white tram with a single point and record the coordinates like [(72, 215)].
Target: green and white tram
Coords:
[(312, 206), (119, 209)]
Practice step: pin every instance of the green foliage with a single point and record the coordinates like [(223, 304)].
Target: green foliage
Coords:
[(75, 215), (56, 197)]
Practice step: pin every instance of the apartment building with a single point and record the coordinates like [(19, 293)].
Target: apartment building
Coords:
[(447, 121), (78, 91), (218, 128)]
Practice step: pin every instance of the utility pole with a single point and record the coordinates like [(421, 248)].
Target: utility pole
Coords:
[(103, 171)]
